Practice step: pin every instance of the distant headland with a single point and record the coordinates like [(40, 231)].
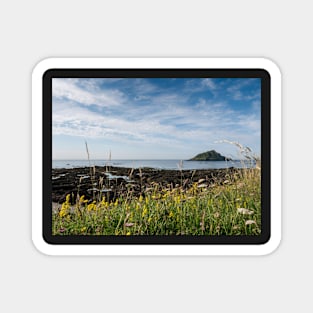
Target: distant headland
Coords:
[(211, 155)]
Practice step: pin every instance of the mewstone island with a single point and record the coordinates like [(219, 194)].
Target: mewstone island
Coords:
[(166, 186)]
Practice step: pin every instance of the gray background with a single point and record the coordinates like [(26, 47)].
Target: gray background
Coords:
[(33, 30)]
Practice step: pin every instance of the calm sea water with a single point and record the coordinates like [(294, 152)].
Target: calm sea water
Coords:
[(158, 164)]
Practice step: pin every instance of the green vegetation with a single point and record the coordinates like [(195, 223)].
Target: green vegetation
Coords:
[(211, 155), (230, 208)]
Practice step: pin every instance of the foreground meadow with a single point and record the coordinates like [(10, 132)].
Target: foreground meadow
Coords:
[(232, 207)]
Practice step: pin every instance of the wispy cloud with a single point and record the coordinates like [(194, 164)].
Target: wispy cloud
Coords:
[(241, 89), (91, 94), (156, 114), (209, 82)]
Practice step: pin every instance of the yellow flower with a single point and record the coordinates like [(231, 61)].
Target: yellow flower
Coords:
[(82, 199), (62, 213), (65, 206), (177, 199), (144, 212), (104, 203), (171, 214), (92, 207), (137, 206), (67, 199), (128, 233)]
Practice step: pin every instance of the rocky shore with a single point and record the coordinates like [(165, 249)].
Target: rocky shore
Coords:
[(116, 181)]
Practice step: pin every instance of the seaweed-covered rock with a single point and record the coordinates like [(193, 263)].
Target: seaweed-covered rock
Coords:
[(113, 182)]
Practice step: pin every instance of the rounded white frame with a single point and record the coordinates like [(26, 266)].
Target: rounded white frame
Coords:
[(124, 63)]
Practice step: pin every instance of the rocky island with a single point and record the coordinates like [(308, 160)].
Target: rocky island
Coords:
[(211, 155)]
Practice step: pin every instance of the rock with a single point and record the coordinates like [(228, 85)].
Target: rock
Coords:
[(211, 155), (81, 181)]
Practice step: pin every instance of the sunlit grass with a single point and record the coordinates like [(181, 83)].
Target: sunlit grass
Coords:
[(230, 208)]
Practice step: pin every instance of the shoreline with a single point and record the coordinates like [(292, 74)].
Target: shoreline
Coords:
[(116, 181)]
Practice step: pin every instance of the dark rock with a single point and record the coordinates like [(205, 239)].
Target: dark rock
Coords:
[(211, 155), (83, 181)]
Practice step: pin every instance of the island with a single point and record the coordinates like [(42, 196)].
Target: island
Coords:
[(211, 155)]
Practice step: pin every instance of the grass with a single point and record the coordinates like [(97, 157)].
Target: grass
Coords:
[(230, 208)]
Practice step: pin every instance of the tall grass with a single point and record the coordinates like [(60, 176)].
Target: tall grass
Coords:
[(232, 207)]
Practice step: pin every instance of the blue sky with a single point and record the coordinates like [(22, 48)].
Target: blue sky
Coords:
[(156, 118)]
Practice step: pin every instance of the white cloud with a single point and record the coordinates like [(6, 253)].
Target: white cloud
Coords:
[(173, 123), (142, 86), (236, 92), (208, 82), (168, 121), (68, 89)]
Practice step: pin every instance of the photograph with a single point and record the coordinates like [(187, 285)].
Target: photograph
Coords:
[(156, 156)]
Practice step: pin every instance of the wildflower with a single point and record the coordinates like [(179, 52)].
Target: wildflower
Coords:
[(129, 224), (177, 199), (92, 207), (65, 206), (250, 222), (128, 233), (166, 195), (245, 211), (67, 199), (217, 214), (240, 185), (103, 203), (202, 186), (171, 214), (144, 212), (82, 199), (83, 229), (62, 213)]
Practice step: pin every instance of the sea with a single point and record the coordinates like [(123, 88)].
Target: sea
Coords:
[(157, 164)]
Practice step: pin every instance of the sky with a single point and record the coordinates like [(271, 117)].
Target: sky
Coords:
[(154, 118)]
